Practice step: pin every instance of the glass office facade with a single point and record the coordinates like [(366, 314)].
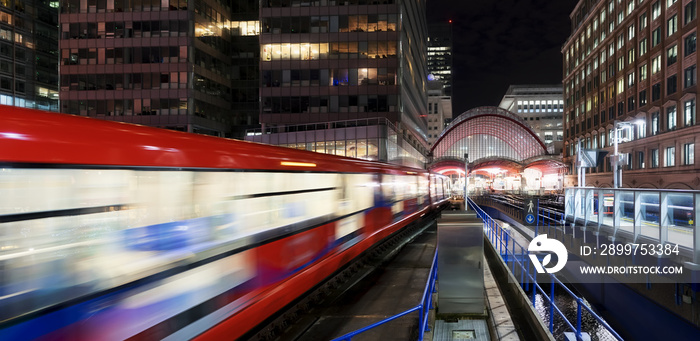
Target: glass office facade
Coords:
[(28, 60), (331, 61)]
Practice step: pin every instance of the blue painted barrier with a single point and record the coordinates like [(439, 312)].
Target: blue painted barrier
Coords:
[(423, 308), (500, 238)]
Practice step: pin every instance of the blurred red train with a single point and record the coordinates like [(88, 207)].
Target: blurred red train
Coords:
[(117, 231)]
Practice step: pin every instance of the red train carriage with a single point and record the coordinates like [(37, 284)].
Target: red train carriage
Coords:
[(116, 231)]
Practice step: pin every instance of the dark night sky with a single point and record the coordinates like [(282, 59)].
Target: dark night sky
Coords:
[(502, 42)]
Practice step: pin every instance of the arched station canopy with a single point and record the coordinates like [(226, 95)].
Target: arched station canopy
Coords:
[(488, 132), (493, 138)]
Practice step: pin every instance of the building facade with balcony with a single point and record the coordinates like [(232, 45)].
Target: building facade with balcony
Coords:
[(630, 70)]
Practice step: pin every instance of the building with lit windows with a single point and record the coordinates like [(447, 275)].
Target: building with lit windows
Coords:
[(245, 66), (28, 61), (541, 106), (630, 67), (440, 54), (352, 62), (159, 63)]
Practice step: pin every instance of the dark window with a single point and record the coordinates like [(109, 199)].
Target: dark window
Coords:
[(620, 109), (689, 76), (643, 97), (690, 43), (656, 92), (671, 84), (630, 103)]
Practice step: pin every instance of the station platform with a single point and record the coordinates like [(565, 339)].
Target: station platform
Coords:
[(392, 286)]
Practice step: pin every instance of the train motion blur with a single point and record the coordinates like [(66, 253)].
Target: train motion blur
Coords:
[(117, 231)]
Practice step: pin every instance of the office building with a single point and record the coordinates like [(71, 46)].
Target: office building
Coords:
[(352, 62), (245, 66), (439, 110), (158, 63), (28, 60), (541, 106), (440, 54), (630, 70)]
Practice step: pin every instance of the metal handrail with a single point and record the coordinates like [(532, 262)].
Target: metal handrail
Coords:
[(499, 237), (426, 302)]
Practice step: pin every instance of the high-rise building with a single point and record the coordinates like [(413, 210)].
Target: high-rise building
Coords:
[(245, 72), (630, 69), (440, 54), (353, 61), (28, 58), (541, 106), (159, 63)]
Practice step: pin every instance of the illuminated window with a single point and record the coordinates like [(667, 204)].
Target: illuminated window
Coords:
[(672, 55), (655, 10), (672, 25), (670, 160), (656, 64)]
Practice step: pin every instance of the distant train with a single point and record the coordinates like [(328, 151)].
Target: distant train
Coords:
[(113, 231)]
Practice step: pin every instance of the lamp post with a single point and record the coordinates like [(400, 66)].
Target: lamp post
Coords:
[(466, 173), (617, 161), (616, 158)]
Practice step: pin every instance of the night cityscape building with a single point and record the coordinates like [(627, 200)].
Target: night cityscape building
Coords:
[(358, 67), (439, 110), (158, 63), (541, 106), (245, 66), (631, 67), (28, 54), (440, 54)]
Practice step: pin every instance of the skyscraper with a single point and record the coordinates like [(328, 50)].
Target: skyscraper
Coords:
[(440, 54), (350, 60), (28, 58)]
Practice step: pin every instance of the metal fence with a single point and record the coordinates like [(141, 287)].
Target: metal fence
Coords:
[(520, 266), (423, 308)]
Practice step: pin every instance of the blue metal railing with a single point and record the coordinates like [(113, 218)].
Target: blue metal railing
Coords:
[(423, 308), (501, 239)]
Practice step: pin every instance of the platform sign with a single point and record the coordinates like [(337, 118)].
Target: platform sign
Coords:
[(530, 211)]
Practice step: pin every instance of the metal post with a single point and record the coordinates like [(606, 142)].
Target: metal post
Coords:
[(614, 160), (577, 162), (578, 319), (551, 307), (466, 178), (534, 282)]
